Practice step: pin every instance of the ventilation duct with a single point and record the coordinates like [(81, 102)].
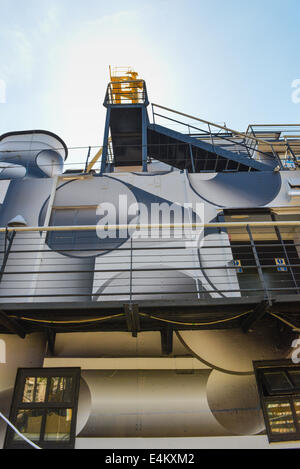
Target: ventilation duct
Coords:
[(39, 152)]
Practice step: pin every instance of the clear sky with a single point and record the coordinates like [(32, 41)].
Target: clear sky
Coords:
[(230, 61)]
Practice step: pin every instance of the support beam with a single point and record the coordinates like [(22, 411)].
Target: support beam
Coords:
[(258, 313), (192, 158), (166, 341), (132, 318), (12, 325), (51, 335)]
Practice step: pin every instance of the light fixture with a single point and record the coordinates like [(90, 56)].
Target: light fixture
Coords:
[(18, 221)]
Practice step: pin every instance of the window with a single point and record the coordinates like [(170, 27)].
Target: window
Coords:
[(278, 384), (44, 408)]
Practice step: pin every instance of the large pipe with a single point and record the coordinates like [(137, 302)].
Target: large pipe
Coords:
[(41, 153)]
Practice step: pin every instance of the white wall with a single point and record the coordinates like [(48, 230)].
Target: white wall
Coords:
[(20, 353)]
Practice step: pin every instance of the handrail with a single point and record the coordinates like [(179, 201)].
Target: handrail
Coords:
[(240, 134), (130, 274), (209, 134), (135, 91), (268, 224)]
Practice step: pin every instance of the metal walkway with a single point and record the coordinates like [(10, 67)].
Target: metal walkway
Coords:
[(200, 146), (195, 155)]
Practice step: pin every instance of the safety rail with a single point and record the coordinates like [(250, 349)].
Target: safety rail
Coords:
[(269, 131), (285, 139), (248, 144), (188, 158), (126, 92), (152, 262)]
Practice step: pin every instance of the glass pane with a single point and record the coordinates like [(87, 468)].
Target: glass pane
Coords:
[(35, 389), (281, 418), (58, 425), (295, 376), (61, 389), (28, 422), (297, 410), (278, 381)]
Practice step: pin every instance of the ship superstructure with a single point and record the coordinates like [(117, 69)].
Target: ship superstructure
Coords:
[(152, 292)]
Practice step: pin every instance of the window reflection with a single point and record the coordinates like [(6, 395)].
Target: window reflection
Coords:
[(58, 425), (281, 418), (61, 389), (35, 389), (29, 423), (278, 381), (297, 410)]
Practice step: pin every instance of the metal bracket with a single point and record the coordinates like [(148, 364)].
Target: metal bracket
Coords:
[(256, 315), (12, 325), (166, 341), (51, 335), (132, 318)]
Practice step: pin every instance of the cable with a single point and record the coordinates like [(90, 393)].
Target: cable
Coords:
[(68, 322), (82, 321), (20, 434), (296, 329), (195, 323), (210, 365)]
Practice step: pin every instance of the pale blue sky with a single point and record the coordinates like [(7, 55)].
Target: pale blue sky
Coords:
[(227, 61)]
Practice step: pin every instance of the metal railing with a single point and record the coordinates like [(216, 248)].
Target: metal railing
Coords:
[(126, 92), (285, 139), (249, 144), (185, 262), (178, 153)]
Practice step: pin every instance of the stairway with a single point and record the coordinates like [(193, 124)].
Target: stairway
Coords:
[(206, 151), (185, 152)]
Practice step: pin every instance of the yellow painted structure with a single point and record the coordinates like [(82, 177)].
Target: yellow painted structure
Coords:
[(125, 86)]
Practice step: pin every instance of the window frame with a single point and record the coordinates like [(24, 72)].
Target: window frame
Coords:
[(267, 396), (18, 404)]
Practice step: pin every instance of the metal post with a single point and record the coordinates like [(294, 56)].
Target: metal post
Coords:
[(153, 115), (258, 264), (292, 153), (130, 281), (105, 141), (144, 139), (245, 144), (278, 234), (277, 157), (192, 158), (7, 248), (211, 137), (87, 159)]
